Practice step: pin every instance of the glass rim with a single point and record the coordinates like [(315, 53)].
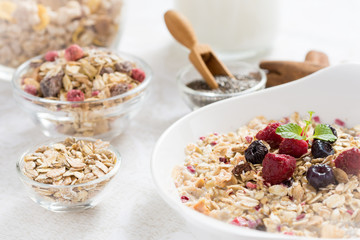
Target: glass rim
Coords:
[(26, 179), (181, 73), (145, 67)]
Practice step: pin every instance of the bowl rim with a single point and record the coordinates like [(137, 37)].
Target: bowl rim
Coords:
[(123, 55), (184, 70), (31, 149)]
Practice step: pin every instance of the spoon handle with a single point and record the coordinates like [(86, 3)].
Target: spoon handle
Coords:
[(180, 28)]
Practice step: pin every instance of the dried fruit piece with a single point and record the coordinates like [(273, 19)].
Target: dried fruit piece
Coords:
[(73, 52), (269, 135), (256, 152), (293, 147), (241, 168), (50, 56), (138, 74), (118, 89), (106, 70), (31, 89), (75, 95), (349, 161), (123, 67), (319, 176), (51, 86), (278, 167)]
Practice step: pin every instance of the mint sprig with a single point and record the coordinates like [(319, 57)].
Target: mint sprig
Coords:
[(294, 131)]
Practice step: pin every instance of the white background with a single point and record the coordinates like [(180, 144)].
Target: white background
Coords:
[(134, 210)]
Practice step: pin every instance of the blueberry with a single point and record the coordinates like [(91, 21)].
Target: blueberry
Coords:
[(256, 152), (320, 176), (321, 149)]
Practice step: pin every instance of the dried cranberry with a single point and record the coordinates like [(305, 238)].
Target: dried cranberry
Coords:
[(51, 86), (224, 160), (73, 52), (316, 119), (50, 56), (251, 185), (249, 139), (95, 93), (184, 199), (118, 89), (123, 67), (138, 74), (301, 216), (339, 122), (191, 169), (75, 95), (213, 143), (31, 89)]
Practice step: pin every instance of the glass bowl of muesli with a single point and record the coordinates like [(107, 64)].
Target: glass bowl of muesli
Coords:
[(238, 169), (69, 174), (84, 92), (196, 93)]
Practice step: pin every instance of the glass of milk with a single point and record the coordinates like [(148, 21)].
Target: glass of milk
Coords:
[(235, 29)]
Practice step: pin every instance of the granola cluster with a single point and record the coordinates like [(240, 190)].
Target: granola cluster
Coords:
[(32, 27), (69, 163), (217, 181)]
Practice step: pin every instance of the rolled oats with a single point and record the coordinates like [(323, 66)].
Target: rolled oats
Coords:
[(244, 198), (47, 165)]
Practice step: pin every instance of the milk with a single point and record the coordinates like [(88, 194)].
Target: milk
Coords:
[(233, 28)]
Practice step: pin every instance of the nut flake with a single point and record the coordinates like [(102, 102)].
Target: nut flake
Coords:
[(66, 163), (222, 190)]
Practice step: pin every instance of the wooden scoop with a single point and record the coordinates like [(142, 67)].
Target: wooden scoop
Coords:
[(201, 55)]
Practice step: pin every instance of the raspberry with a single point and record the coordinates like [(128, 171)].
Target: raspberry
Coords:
[(256, 152), (349, 161), (278, 167), (31, 89), (319, 176), (268, 135), (73, 52), (75, 95), (293, 147), (138, 74), (51, 55)]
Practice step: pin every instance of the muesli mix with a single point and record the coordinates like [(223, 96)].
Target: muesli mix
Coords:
[(69, 163), (293, 176), (32, 27), (81, 74)]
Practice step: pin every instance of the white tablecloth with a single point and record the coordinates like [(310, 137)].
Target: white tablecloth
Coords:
[(134, 210)]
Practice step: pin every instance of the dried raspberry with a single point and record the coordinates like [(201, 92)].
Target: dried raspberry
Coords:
[(278, 167), (51, 86), (349, 161), (249, 139), (339, 122), (73, 52), (50, 56), (268, 135), (31, 89), (95, 93), (118, 89), (184, 199), (138, 74), (75, 95), (293, 147), (191, 169), (123, 67), (213, 143), (316, 119), (301, 216), (251, 185)]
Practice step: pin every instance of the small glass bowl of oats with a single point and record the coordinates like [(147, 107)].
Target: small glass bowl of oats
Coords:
[(196, 93), (69, 174), (82, 92)]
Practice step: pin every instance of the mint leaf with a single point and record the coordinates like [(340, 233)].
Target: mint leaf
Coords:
[(290, 130), (324, 133)]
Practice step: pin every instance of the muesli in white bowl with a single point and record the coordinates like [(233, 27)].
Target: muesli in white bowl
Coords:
[(277, 182)]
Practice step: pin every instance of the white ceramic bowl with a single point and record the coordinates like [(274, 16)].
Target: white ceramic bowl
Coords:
[(332, 93)]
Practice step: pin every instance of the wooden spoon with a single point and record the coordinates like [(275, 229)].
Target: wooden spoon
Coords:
[(201, 55)]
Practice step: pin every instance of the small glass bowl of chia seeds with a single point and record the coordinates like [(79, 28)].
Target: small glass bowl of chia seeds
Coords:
[(196, 93)]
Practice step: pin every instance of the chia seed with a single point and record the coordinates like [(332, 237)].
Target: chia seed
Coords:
[(226, 84)]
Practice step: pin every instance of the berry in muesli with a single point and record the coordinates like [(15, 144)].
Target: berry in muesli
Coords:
[(303, 196)]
